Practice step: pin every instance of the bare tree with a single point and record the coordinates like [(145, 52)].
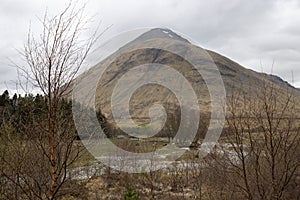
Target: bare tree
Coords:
[(53, 60), (259, 159)]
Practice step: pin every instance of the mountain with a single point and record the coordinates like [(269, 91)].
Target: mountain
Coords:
[(235, 77)]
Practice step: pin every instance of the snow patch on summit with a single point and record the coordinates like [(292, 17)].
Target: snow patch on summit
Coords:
[(167, 32)]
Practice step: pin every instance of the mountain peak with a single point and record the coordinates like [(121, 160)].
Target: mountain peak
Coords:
[(162, 33)]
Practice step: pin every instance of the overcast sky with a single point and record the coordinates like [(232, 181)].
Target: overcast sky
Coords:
[(253, 33)]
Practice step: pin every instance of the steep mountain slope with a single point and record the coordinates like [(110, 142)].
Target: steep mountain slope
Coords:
[(235, 77)]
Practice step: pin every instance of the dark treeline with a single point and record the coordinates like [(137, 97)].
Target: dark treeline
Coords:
[(21, 111)]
